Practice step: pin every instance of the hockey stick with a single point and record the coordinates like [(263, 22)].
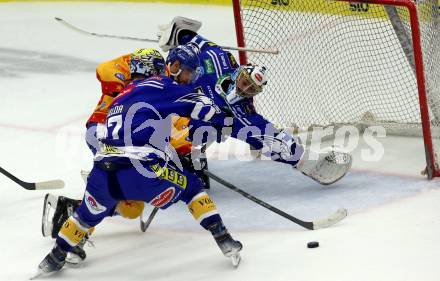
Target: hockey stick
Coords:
[(146, 224), (53, 184), (72, 27), (311, 225)]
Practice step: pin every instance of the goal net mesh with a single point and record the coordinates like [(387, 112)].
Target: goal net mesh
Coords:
[(343, 62)]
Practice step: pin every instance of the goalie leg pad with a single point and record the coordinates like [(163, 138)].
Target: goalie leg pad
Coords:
[(327, 166), (130, 209)]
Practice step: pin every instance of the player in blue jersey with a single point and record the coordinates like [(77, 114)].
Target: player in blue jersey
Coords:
[(140, 64), (213, 59), (136, 162), (232, 89)]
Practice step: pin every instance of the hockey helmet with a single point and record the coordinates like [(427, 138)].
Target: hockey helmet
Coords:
[(187, 56), (249, 80), (147, 62)]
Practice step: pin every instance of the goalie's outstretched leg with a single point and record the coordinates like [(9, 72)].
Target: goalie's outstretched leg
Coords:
[(326, 166)]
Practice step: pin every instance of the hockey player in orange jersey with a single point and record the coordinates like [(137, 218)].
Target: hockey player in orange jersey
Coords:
[(114, 76)]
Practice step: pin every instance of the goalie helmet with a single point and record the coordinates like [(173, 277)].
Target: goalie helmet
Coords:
[(147, 62), (249, 80)]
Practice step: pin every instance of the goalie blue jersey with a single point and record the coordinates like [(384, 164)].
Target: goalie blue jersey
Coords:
[(215, 62), (247, 125), (244, 122)]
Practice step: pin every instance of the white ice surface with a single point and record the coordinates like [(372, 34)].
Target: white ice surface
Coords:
[(48, 89)]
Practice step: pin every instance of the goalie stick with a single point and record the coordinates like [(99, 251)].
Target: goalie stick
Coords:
[(82, 31), (42, 185), (311, 225)]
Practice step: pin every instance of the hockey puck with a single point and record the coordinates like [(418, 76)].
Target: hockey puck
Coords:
[(313, 244)]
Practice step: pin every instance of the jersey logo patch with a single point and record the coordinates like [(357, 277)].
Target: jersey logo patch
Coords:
[(209, 66), (199, 98), (170, 175), (93, 205), (258, 77), (232, 60), (223, 60), (120, 76), (103, 104), (163, 198)]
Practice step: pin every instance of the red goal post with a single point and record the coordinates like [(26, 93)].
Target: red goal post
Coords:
[(397, 70)]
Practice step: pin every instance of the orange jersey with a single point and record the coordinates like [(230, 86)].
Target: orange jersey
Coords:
[(114, 75), (179, 135)]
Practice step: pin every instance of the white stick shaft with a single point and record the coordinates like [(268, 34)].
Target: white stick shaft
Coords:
[(54, 184)]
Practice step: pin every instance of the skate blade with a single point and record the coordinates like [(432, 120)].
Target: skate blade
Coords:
[(75, 264), (50, 205), (42, 274), (74, 261), (235, 259), (37, 275)]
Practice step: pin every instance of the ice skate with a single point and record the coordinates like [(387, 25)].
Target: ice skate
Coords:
[(230, 248), (56, 210), (77, 255), (52, 263)]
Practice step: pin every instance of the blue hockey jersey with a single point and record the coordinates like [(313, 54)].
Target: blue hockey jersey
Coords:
[(139, 119), (244, 122), (215, 62)]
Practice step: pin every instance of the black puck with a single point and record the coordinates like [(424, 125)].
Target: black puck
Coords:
[(313, 244)]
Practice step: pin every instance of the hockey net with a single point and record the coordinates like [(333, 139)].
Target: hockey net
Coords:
[(346, 62)]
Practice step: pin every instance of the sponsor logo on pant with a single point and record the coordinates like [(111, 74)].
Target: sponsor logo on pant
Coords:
[(93, 205), (163, 198)]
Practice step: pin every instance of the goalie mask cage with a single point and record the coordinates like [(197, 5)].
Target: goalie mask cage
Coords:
[(375, 62)]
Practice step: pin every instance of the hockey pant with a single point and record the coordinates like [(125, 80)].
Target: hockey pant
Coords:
[(162, 187), (128, 209)]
